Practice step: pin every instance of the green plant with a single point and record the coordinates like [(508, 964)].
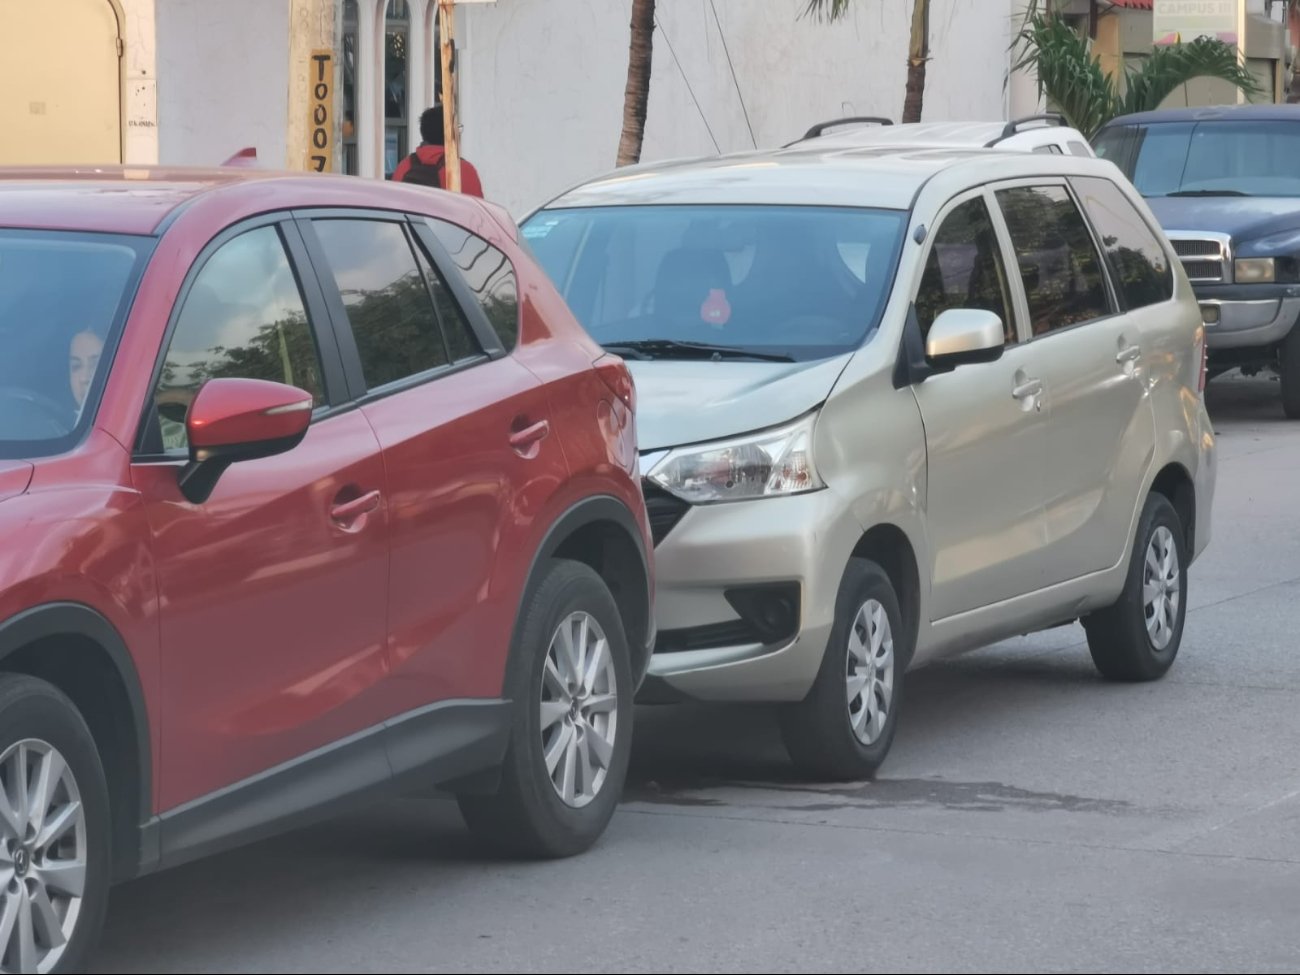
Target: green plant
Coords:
[(1072, 79)]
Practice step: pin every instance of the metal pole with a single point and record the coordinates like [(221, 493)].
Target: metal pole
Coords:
[(450, 127), (1241, 44)]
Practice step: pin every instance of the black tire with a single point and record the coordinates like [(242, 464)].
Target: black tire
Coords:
[(819, 730), (34, 709), (1118, 638), (527, 816), (1289, 369)]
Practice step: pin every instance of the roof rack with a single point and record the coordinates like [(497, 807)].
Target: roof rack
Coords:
[(821, 127), (1012, 127)]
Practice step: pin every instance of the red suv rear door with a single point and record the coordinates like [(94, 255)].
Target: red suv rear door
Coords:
[(468, 446)]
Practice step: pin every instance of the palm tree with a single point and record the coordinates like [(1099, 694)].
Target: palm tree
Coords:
[(918, 50), (1074, 83), (636, 97)]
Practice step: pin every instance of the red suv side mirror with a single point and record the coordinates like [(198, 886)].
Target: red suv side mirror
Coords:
[(234, 420)]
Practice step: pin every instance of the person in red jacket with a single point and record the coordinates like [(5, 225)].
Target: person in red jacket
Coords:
[(427, 165)]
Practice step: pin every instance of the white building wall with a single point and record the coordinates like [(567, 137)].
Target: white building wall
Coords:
[(139, 83), (542, 80), (223, 80)]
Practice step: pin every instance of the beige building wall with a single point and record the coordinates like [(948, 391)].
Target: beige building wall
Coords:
[(78, 82)]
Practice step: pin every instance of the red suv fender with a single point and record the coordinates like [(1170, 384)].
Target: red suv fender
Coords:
[(602, 532), (117, 716)]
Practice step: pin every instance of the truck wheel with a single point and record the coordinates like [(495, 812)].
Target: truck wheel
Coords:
[(1289, 367)]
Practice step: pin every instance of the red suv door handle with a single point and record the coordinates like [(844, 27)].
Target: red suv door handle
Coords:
[(346, 511), (522, 439)]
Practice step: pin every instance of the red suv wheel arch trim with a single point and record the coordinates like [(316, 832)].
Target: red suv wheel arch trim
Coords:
[(135, 843), (591, 510)]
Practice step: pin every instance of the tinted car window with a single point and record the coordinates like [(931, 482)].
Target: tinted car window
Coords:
[(63, 297), (804, 282), (461, 342), (243, 318), (965, 269), (1059, 264), (386, 297), (1215, 157), (1138, 262), (489, 274)]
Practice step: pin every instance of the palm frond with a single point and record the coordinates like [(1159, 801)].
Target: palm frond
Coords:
[(1068, 74), (1071, 77), (828, 10), (1171, 66)]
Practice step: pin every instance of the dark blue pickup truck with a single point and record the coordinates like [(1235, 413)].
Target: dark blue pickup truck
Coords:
[(1224, 182)]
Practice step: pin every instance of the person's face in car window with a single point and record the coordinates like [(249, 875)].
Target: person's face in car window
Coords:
[(83, 360)]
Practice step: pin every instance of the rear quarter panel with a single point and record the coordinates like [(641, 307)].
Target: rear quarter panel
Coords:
[(1173, 335)]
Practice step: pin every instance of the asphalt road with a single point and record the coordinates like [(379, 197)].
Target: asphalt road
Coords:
[(1030, 818)]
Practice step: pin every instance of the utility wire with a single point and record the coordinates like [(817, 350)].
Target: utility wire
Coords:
[(734, 79), (716, 147)]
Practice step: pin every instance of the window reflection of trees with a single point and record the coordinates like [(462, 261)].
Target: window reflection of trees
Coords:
[(1058, 261), (964, 269), (395, 331), (243, 318), (1142, 271), (281, 352), (387, 300)]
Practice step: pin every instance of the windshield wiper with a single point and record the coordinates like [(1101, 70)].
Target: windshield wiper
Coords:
[(670, 349), (1208, 193)]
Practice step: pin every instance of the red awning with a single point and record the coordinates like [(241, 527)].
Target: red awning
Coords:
[(1134, 4)]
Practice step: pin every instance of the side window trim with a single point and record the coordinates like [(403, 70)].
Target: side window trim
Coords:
[(427, 265), (340, 324), (332, 373), (487, 336), (318, 313), (1019, 286), (1019, 307), (1117, 304), (1019, 297)]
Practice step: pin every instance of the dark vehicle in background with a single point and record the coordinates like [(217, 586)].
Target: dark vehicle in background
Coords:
[(1224, 183)]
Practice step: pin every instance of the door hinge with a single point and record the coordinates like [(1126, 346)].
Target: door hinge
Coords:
[(121, 46)]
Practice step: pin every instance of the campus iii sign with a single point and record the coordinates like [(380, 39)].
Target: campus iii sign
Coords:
[(1186, 20), (320, 105)]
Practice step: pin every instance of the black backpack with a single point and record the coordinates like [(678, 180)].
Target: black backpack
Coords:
[(424, 174)]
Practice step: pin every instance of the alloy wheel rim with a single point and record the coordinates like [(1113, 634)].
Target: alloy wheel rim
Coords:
[(43, 856), (1161, 588), (869, 683), (579, 713)]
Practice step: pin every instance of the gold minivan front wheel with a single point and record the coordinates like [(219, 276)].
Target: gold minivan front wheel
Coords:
[(843, 729)]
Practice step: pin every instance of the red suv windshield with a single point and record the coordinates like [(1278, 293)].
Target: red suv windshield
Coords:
[(63, 297)]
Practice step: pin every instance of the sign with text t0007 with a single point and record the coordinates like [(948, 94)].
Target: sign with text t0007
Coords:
[(320, 102), (1186, 20)]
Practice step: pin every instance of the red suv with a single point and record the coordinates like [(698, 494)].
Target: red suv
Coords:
[(310, 487)]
